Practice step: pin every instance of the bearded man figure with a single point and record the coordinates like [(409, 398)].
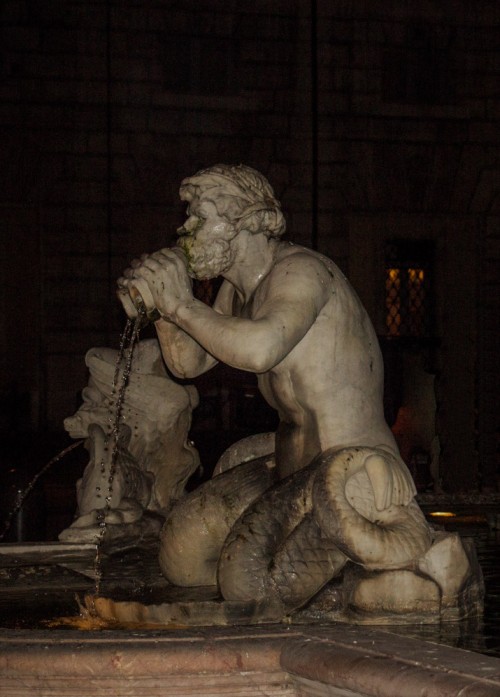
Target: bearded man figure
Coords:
[(289, 315)]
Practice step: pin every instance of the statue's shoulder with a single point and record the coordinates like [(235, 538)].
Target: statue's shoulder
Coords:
[(298, 258)]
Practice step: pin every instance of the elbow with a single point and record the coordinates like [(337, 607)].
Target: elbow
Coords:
[(266, 351), (193, 369), (178, 369), (262, 360), (178, 373), (186, 373), (261, 366), (175, 369)]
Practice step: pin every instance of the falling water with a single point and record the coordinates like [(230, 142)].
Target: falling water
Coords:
[(23, 495), (128, 341)]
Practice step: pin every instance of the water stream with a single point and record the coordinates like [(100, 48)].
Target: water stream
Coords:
[(32, 597), (128, 340), (23, 607), (22, 494)]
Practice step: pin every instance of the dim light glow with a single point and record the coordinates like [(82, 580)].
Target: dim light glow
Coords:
[(393, 275), (443, 514), (405, 301), (415, 276)]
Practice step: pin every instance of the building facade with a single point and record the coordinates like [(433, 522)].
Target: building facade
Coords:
[(376, 123)]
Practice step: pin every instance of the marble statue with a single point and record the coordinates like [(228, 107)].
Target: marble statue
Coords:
[(287, 513), (154, 457)]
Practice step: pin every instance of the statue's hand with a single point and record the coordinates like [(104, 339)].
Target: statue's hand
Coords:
[(391, 481), (122, 290), (166, 275), (123, 296)]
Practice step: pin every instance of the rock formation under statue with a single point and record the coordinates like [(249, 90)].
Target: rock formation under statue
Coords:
[(319, 520)]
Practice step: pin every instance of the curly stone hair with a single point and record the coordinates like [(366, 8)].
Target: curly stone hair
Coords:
[(241, 195)]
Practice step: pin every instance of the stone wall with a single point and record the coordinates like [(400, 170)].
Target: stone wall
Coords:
[(106, 106)]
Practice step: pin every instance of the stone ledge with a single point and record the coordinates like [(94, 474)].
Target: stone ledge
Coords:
[(376, 673), (274, 660)]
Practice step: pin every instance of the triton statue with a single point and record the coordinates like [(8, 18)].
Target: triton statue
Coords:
[(328, 495)]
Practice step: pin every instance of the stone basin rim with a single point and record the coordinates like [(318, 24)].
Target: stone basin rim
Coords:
[(196, 661)]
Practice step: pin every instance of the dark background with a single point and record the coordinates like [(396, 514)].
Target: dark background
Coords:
[(376, 122)]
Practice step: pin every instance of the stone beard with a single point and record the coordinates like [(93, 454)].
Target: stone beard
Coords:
[(283, 516), (207, 261)]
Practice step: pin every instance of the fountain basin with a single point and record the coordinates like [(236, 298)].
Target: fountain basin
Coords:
[(285, 661)]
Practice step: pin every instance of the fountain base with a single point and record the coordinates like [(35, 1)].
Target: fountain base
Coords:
[(445, 584), (133, 591), (284, 661), (274, 659)]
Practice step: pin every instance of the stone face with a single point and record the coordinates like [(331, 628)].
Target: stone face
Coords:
[(289, 315), (384, 160), (331, 488), (143, 468)]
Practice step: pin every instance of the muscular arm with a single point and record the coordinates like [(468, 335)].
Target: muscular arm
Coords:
[(165, 273), (185, 357), (287, 305)]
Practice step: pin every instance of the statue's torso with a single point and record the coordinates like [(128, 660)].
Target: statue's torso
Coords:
[(328, 390)]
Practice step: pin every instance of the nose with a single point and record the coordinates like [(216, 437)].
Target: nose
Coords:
[(73, 425)]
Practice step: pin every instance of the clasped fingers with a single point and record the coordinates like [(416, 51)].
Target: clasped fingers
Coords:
[(165, 273)]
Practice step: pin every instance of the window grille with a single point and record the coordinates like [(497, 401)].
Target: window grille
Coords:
[(408, 298)]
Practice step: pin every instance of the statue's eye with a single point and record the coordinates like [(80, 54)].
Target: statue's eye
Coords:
[(190, 226), (195, 223)]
